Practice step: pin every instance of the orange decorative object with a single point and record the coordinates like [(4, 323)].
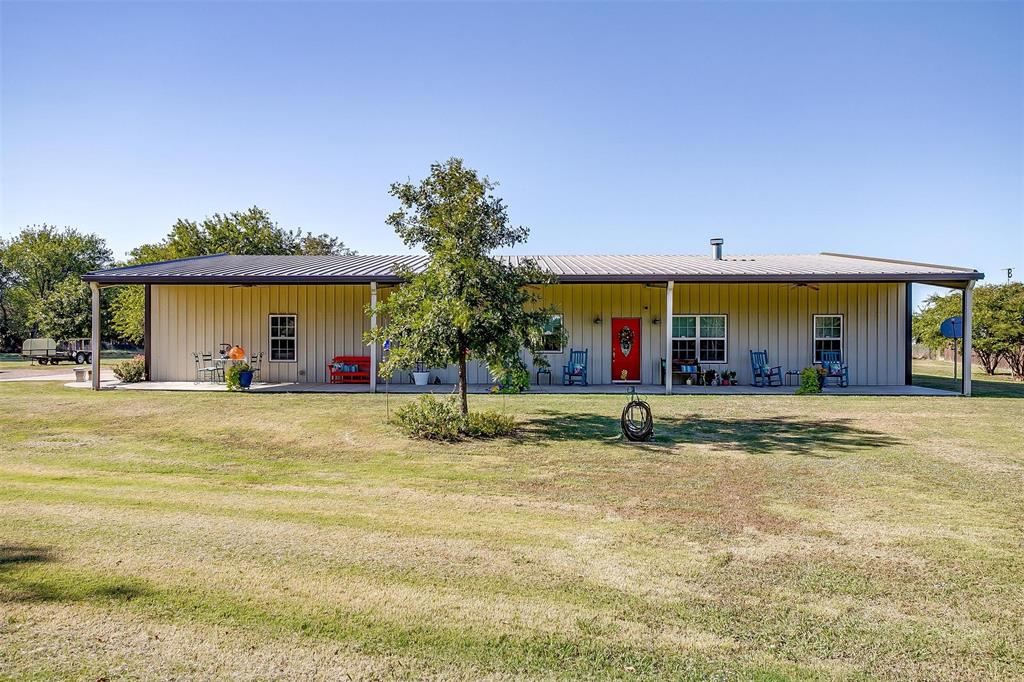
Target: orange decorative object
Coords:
[(236, 353)]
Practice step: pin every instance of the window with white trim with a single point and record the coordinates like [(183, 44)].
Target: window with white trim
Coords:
[(699, 338), (828, 334), (283, 335), (553, 336)]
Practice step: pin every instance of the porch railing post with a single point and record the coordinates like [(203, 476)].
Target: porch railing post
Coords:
[(668, 337), (373, 345)]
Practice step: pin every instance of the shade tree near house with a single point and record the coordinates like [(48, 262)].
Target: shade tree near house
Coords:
[(466, 301), (998, 324)]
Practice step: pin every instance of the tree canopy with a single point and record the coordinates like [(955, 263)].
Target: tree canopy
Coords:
[(41, 291), (467, 302), (997, 318)]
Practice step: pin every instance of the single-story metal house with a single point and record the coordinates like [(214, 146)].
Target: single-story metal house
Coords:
[(301, 311)]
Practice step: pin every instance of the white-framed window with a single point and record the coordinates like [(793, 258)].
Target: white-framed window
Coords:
[(553, 336), (283, 335), (828, 334), (700, 338)]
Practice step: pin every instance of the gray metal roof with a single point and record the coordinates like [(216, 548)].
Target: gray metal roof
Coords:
[(822, 267)]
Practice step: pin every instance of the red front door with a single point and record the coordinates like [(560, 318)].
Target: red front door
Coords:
[(625, 349)]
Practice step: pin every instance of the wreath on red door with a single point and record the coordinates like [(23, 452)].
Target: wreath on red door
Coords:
[(626, 340)]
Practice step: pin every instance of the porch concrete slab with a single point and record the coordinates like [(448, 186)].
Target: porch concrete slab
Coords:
[(605, 389)]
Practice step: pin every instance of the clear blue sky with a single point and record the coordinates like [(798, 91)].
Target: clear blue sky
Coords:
[(880, 129)]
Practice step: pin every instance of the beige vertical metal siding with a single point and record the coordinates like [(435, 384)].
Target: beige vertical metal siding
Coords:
[(331, 321), (776, 317)]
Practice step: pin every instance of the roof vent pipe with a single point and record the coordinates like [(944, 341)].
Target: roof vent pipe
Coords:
[(716, 248)]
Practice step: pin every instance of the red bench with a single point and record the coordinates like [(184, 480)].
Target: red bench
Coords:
[(361, 374)]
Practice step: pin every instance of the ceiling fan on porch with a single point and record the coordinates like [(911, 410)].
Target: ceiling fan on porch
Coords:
[(245, 286), (808, 285)]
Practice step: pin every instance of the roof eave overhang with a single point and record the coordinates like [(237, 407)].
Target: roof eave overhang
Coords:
[(940, 279)]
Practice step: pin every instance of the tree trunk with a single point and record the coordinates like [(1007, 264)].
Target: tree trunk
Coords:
[(463, 405)]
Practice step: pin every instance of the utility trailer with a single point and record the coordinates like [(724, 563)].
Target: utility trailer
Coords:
[(50, 352)]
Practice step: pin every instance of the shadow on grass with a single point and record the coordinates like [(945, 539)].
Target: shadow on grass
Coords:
[(981, 386), (32, 574), (761, 435)]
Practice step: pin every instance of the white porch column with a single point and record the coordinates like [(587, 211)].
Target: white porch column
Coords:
[(94, 342), (667, 322), (373, 346), (968, 300)]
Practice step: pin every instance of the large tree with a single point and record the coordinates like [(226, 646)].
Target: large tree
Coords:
[(36, 266), (467, 302), (251, 232), (997, 331)]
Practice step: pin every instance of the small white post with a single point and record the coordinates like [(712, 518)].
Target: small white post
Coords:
[(373, 345), (667, 322), (94, 342), (968, 300)]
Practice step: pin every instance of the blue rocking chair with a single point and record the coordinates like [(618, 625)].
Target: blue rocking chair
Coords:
[(762, 374), (576, 370), (832, 363)]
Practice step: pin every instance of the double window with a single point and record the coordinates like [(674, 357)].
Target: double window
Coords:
[(699, 338), (553, 335), (283, 335), (828, 334)]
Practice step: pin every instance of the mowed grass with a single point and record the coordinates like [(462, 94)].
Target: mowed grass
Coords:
[(939, 374), (171, 535)]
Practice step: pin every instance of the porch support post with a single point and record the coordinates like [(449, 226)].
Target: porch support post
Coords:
[(94, 341), (147, 330), (968, 300), (667, 323), (373, 345), (908, 322)]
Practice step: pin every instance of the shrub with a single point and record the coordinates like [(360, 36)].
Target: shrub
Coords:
[(490, 425), (514, 380), (433, 418), (809, 381), (131, 371), (231, 375)]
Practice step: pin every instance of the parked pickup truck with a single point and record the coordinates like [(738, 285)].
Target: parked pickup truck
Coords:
[(50, 352)]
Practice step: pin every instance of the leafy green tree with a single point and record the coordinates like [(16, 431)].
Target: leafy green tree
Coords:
[(41, 257), (251, 232), (14, 307), (36, 265), (997, 331), (128, 312), (65, 312), (467, 302)]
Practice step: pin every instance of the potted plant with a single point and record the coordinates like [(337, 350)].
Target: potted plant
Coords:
[(238, 376), (420, 375), (726, 380), (709, 377)]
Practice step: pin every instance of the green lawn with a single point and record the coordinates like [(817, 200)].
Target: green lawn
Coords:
[(939, 374), (171, 535)]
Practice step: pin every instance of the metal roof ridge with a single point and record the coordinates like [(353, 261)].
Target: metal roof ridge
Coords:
[(896, 261), (122, 268)]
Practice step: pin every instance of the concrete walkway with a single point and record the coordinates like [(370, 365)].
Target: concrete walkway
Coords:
[(613, 389)]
